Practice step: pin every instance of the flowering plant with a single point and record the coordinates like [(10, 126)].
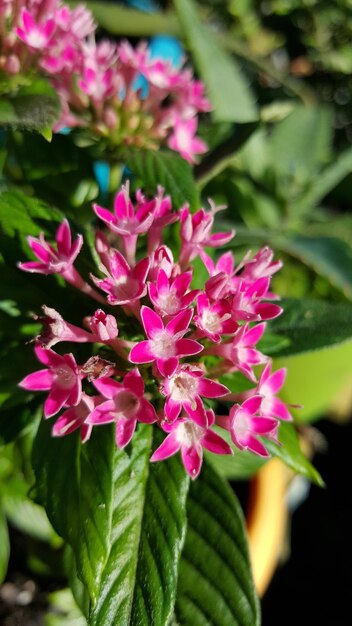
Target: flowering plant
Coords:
[(160, 338)]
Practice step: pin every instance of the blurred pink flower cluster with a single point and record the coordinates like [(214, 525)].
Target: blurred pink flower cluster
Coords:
[(115, 90), (175, 341)]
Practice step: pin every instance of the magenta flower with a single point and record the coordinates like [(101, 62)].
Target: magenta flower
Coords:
[(245, 426), (196, 233), (184, 140), (170, 296), (104, 326), (214, 320), (242, 352), (261, 265), (56, 329), (76, 417), (123, 284), (36, 36), (191, 438), (247, 302), (125, 405), (51, 261), (184, 388), (268, 385), (61, 378), (126, 221), (165, 345), (162, 259)]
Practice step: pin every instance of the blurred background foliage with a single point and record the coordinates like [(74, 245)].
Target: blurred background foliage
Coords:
[(279, 74)]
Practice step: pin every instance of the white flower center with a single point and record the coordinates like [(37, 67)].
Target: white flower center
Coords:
[(36, 39), (169, 302), (163, 345), (241, 425), (126, 403), (125, 287), (183, 139), (211, 321), (183, 387), (188, 434)]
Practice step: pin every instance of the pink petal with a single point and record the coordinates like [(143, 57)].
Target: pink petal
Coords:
[(86, 431), (220, 239), (280, 410), (211, 389), (268, 311), (180, 322), (66, 423), (121, 209), (107, 387), (257, 447), (141, 270), (172, 409), (216, 444), (42, 253), (188, 347), (141, 353), (76, 248), (197, 413), (35, 267), (192, 460), (263, 425), (118, 265), (202, 303), (104, 214), (254, 334), (76, 392), (41, 380), (162, 282), (151, 321), (103, 414), (55, 401), (134, 381), (28, 20), (63, 238), (124, 431), (182, 283), (252, 405), (147, 413), (276, 380), (167, 367), (226, 263), (168, 448)]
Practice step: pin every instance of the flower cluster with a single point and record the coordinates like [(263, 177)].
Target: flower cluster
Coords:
[(177, 340), (116, 91)]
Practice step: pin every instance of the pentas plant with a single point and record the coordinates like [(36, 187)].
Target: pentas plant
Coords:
[(167, 343), (115, 91)]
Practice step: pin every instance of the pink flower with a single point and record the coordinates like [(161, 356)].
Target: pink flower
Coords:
[(245, 426), (56, 329), (123, 284), (261, 265), (162, 259), (247, 302), (184, 141), (76, 417), (214, 320), (61, 378), (170, 296), (36, 36), (165, 345), (242, 352), (196, 233), (191, 438), (104, 326), (125, 405), (268, 385), (184, 388), (51, 261)]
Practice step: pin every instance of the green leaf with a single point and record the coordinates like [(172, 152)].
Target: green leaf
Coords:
[(311, 325), (228, 90), (32, 107), (301, 143), (123, 517), (327, 256), (166, 169), (149, 523), (19, 213), (215, 583), (291, 454), (331, 176), (4, 545), (128, 22)]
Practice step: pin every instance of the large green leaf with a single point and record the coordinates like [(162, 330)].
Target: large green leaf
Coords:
[(32, 107), (327, 256), (123, 517), (167, 169), (311, 325), (129, 22), (215, 583), (228, 89), (21, 213), (4, 545), (300, 144)]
